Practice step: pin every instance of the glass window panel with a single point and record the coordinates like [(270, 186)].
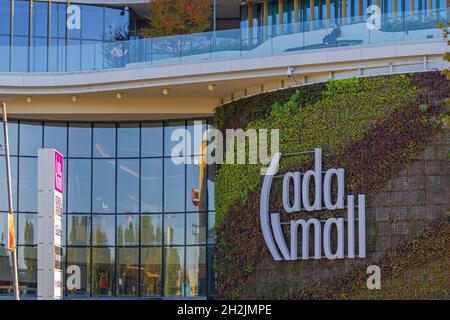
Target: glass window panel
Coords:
[(116, 23), (151, 271), (196, 191), (152, 139), (28, 184), (4, 53), (103, 271), (103, 230), (55, 136), (104, 140), (174, 138), (196, 228), (27, 229), (196, 271), (174, 272), (3, 184), (211, 188), (13, 133), (40, 19), (151, 185), (91, 22), (151, 230), (27, 265), (128, 273), (78, 258), (20, 54), (58, 20), (174, 229), (196, 129), (104, 186), (21, 17), (174, 185), (89, 54), (73, 55), (5, 21), (128, 186), (127, 230), (128, 140), (211, 227), (30, 138), (79, 188), (80, 140), (211, 272), (3, 231), (78, 232), (6, 268), (39, 53)]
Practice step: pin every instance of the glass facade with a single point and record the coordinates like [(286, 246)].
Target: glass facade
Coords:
[(36, 37), (353, 9), (136, 223)]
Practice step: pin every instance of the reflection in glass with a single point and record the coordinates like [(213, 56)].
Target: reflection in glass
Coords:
[(13, 134), (5, 266), (127, 230), (152, 139), (21, 17), (40, 19), (174, 136), (103, 230), (195, 271), (79, 189), (196, 129), (174, 186), (128, 186), (27, 265), (30, 138), (174, 229), (27, 229), (174, 271), (55, 136), (28, 184), (128, 264), (151, 270), (104, 186), (151, 185), (128, 140), (3, 184), (211, 227), (78, 232), (196, 228), (151, 230), (211, 272), (79, 140), (102, 271), (104, 140), (196, 191), (78, 258)]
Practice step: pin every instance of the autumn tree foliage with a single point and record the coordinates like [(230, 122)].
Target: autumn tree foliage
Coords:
[(173, 17)]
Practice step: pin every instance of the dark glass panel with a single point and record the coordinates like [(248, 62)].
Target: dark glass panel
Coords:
[(151, 271), (103, 271), (174, 271), (78, 264), (128, 273)]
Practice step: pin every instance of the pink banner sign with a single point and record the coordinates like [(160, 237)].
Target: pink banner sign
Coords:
[(58, 172)]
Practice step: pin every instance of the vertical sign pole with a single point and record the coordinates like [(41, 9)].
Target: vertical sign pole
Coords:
[(50, 198), (11, 242)]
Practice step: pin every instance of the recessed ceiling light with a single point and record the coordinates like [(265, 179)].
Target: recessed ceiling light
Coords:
[(119, 95), (165, 91), (211, 87), (74, 98), (28, 99)]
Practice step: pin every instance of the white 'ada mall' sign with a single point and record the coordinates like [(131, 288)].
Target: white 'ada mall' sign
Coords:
[(271, 223)]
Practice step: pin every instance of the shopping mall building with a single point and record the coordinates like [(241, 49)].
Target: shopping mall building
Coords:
[(78, 77)]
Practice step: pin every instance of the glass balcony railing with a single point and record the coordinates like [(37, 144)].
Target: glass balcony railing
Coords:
[(227, 44)]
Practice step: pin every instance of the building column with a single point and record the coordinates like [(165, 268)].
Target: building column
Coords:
[(344, 11), (296, 16), (266, 12), (250, 13), (328, 9), (311, 10), (281, 14), (361, 9), (394, 7)]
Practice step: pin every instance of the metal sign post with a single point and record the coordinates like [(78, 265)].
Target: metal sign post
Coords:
[(11, 242)]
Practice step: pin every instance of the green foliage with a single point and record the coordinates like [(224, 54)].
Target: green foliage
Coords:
[(347, 110)]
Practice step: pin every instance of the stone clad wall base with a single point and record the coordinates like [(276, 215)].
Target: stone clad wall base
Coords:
[(417, 196)]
